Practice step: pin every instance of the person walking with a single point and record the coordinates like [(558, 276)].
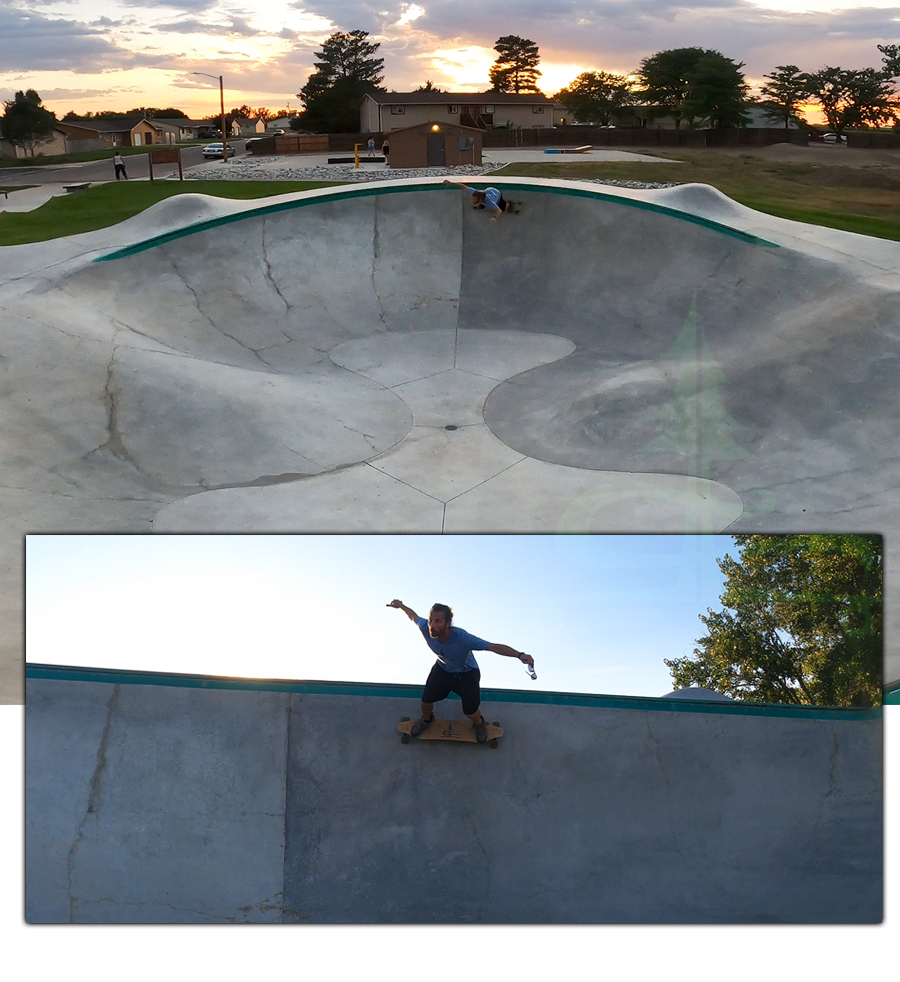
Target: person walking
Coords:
[(489, 198), (119, 164), (455, 669)]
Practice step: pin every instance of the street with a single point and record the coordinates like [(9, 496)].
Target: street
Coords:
[(137, 167)]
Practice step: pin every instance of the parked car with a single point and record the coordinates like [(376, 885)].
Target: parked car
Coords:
[(833, 138), (277, 132), (213, 150)]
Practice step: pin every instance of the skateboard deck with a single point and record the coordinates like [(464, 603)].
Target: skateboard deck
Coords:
[(453, 730)]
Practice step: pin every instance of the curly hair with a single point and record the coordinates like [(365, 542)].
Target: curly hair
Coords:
[(442, 609)]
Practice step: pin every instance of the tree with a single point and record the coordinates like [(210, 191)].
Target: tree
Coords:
[(853, 98), (429, 86), (783, 95), (664, 77), (515, 69), (717, 91), (802, 624), (345, 72), (890, 55), (694, 83), (595, 97), (25, 122)]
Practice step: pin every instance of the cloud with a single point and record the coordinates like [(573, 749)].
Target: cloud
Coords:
[(617, 34), (31, 42)]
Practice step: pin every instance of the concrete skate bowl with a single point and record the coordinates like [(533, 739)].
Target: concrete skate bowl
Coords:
[(386, 359), (190, 799)]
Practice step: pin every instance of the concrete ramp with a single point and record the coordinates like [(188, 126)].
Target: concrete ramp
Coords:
[(179, 799), (386, 359)]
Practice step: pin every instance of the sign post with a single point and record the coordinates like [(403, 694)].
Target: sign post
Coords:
[(172, 155)]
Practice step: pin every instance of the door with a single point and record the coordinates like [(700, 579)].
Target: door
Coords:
[(435, 149)]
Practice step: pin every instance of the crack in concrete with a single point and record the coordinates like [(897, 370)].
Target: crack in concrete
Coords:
[(662, 771), (114, 443), (96, 787), (268, 268), (376, 256), (833, 762)]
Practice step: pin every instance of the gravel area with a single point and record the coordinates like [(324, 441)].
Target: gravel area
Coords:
[(249, 169)]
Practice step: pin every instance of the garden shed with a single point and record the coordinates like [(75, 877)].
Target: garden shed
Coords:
[(435, 144)]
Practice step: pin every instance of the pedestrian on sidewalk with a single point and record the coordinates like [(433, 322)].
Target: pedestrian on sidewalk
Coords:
[(119, 164)]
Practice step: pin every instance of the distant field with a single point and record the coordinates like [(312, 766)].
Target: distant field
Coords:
[(856, 199), (109, 204), (828, 191)]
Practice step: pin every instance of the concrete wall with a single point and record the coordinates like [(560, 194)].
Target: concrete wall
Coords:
[(179, 799)]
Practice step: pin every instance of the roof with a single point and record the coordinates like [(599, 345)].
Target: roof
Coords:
[(462, 98), (127, 123)]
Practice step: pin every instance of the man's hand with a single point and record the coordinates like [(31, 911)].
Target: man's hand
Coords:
[(504, 649), (400, 605)]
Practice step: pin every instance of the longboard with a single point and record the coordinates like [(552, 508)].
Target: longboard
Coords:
[(452, 730)]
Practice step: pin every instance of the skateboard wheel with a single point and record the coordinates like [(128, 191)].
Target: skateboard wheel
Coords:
[(495, 723), (404, 738), (494, 744), (404, 719)]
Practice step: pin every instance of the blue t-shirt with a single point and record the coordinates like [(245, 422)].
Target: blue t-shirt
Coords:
[(454, 654), (491, 200)]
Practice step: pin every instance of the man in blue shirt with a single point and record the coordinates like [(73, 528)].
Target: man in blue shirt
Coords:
[(455, 669), (489, 198)]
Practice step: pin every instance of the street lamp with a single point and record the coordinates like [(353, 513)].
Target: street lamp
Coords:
[(222, 107)]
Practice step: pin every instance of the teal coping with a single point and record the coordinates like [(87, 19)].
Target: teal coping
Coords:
[(369, 190), (892, 694), (115, 676)]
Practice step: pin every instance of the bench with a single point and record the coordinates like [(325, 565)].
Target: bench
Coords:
[(76, 187)]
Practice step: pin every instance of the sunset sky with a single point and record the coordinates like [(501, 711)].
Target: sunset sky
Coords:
[(91, 55)]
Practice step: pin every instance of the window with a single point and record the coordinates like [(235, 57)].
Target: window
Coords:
[(398, 110), (488, 109), (453, 109), (537, 109)]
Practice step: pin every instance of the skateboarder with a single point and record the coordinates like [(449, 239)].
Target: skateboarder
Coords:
[(455, 669), (489, 198)]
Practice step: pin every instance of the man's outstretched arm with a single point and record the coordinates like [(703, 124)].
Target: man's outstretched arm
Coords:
[(400, 605), (504, 649)]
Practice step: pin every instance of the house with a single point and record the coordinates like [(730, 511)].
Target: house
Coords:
[(384, 112), (435, 145), (282, 122), (53, 145), (94, 133), (243, 126)]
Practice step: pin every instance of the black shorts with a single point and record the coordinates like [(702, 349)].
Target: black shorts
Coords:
[(467, 685)]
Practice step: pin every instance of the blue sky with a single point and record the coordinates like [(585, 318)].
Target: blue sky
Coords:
[(597, 613)]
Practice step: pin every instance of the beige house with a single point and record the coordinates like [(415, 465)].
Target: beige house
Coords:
[(384, 112), (51, 146)]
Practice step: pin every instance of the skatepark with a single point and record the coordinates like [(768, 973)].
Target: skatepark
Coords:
[(384, 358), (193, 799)]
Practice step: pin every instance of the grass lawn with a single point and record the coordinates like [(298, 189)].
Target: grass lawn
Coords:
[(855, 199), (864, 199), (108, 204)]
